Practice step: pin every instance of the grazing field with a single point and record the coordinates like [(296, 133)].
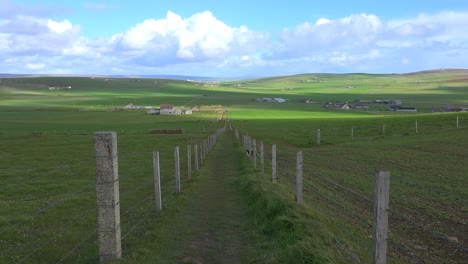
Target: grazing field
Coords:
[(47, 190)]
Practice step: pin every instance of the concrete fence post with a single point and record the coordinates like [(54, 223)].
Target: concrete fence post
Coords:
[(189, 162), (177, 169), (196, 157), (249, 146), (273, 163), (299, 165), (201, 153), (254, 149), (206, 148), (157, 181), (107, 196), (319, 139), (381, 199), (262, 158)]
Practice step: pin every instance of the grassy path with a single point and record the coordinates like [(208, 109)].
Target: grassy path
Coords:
[(216, 211), (208, 224)]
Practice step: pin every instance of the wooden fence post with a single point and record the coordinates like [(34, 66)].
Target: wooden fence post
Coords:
[(196, 157), (157, 181), (262, 160), (299, 177), (381, 199), (416, 126), (107, 196), (318, 137), (177, 169), (383, 130), (457, 122), (273, 163), (352, 134), (189, 162), (254, 154)]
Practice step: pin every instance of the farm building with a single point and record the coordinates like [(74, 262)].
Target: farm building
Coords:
[(344, 106), (169, 109), (166, 109), (403, 109), (153, 112), (271, 100), (52, 88), (361, 106), (130, 106)]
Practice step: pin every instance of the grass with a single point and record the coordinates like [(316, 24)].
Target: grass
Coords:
[(49, 194), (428, 184), (47, 197)]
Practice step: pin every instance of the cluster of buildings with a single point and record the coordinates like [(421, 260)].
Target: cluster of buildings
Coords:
[(450, 108), (271, 100), (164, 109), (54, 88), (394, 105)]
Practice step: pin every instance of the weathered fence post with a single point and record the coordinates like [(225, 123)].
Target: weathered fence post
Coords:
[(107, 196), (383, 130), (177, 169), (245, 140), (189, 162), (254, 147), (196, 157), (157, 181), (457, 122), (273, 163), (201, 154), (318, 137), (352, 134), (381, 199), (262, 160), (416, 126), (205, 149), (249, 146), (299, 177)]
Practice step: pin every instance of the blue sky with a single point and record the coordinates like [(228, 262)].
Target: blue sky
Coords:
[(231, 38)]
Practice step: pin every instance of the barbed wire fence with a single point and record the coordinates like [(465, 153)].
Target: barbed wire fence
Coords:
[(341, 188), (57, 220)]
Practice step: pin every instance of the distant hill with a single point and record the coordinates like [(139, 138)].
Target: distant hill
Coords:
[(438, 71), (170, 77), (212, 79)]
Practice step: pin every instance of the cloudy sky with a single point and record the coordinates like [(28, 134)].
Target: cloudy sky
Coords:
[(231, 38)]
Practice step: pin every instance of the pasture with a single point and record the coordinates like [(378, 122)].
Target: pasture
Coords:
[(47, 191)]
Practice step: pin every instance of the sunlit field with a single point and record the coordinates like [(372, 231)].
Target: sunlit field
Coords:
[(47, 195)]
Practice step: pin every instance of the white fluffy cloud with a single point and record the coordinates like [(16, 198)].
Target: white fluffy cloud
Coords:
[(197, 38), (202, 44)]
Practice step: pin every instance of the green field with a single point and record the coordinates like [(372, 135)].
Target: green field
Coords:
[(47, 190)]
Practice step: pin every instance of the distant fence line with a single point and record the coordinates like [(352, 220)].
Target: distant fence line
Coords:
[(107, 188), (286, 165)]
